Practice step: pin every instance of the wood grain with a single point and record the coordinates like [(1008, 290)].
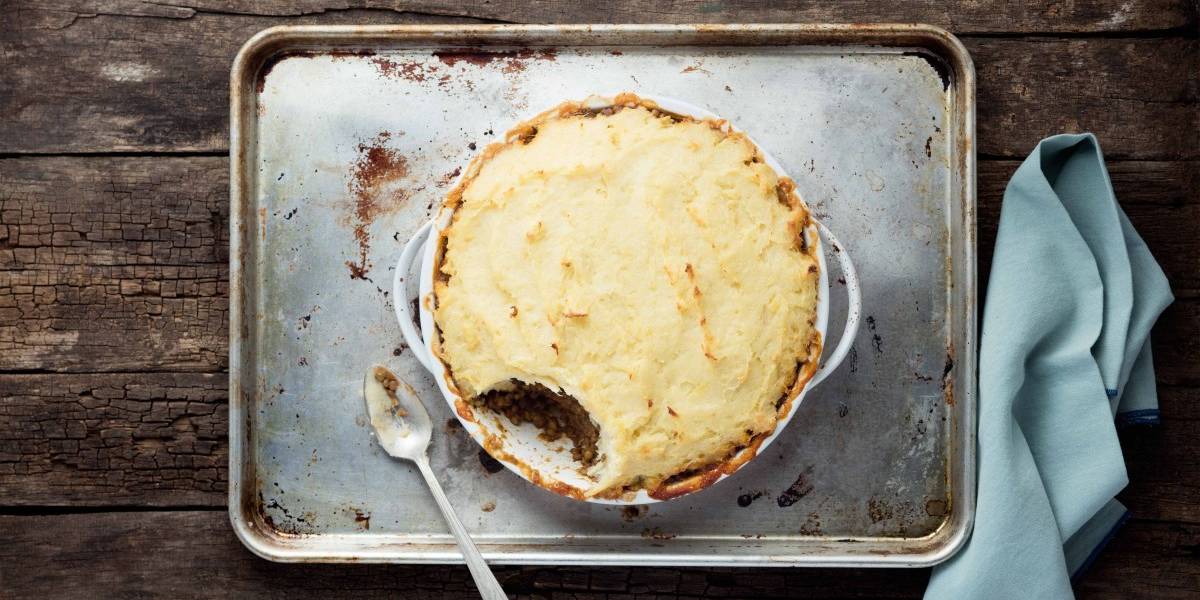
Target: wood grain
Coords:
[(982, 16), (176, 553), (1138, 96), (130, 76), (157, 79), (114, 264), (991, 16), (1176, 339), (183, 554), (120, 264), (113, 281), (159, 439), (113, 439), (1163, 465), (1146, 559)]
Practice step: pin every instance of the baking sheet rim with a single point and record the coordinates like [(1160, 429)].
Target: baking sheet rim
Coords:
[(897, 552)]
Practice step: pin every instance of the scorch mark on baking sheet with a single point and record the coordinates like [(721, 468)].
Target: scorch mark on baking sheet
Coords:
[(273, 60), (748, 498), (513, 60), (939, 66), (875, 339), (799, 489), (491, 465), (377, 166), (632, 513), (288, 523)]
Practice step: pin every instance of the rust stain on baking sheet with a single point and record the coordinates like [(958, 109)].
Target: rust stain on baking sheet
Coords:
[(513, 60), (376, 167), (696, 68), (936, 508), (878, 510), (449, 178), (812, 525), (656, 533), (408, 70), (947, 379), (362, 519)]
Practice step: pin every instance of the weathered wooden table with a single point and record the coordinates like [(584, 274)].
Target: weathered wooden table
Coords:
[(114, 281)]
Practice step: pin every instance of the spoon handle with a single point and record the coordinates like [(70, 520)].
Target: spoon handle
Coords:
[(489, 588)]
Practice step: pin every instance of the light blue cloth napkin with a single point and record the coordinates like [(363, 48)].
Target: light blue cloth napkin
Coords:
[(1065, 351)]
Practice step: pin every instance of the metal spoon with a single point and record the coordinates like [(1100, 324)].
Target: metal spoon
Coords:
[(403, 429)]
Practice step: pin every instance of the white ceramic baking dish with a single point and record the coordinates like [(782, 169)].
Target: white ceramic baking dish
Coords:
[(549, 464)]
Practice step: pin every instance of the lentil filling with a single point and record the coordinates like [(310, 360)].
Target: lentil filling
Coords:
[(390, 385), (557, 415)]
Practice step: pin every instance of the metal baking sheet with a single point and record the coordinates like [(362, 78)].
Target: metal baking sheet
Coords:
[(343, 141)]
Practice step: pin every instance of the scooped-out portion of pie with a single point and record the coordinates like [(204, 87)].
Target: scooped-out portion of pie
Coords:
[(637, 281)]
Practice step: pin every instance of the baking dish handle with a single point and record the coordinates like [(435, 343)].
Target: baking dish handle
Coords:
[(413, 251), (853, 310)]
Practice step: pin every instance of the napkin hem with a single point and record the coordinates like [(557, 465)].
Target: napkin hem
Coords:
[(1095, 553), (1145, 416)]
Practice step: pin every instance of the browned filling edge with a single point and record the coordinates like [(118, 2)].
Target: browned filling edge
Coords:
[(526, 131), (557, 415), (690, 478)]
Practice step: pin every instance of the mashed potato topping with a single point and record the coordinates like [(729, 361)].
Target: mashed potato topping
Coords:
[(651, 267)]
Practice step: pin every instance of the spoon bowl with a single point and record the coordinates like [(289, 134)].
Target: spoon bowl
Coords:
[(401, 423)]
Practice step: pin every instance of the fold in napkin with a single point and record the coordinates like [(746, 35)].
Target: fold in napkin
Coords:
[(1065, 352)]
